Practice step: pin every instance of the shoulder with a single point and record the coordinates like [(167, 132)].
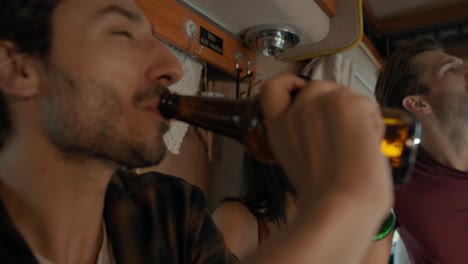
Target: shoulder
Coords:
[(170, 211), (238, 226), (160, 187), (134, 182), (235, 211), (131, 180)]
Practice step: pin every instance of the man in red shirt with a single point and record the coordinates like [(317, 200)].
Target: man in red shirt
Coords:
[(432, 209)]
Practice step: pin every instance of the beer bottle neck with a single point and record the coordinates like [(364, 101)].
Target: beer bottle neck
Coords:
[(229, 117)]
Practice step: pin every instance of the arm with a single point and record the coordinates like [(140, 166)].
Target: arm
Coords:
[(379, 252), (238, 226), (332, 156), (336, 233)]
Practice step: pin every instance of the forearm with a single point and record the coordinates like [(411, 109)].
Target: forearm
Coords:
[(336, 231), (379, 252)]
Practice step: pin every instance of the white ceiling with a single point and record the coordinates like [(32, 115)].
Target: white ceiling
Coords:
[(392, 8)]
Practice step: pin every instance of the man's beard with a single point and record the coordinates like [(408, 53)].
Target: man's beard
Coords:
[(83, 120)]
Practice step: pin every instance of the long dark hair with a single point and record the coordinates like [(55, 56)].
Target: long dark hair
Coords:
[(264, 189), (26, 23)]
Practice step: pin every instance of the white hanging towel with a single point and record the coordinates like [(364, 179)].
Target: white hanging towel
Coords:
[(188, 85), (333, 67)]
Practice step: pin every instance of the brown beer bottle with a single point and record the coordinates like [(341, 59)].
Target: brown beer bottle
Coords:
[(242, 120)]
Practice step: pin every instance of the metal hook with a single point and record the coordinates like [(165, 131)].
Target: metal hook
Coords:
[(238, 57), (249, 70), (249, 67), (193, 55), (200, 51)]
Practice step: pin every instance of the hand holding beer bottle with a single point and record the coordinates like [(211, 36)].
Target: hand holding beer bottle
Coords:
[(244, 121)]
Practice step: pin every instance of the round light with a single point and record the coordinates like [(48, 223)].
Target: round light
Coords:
[(272, 39)]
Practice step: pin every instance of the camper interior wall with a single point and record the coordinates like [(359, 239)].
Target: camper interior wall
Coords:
[(366, 67)]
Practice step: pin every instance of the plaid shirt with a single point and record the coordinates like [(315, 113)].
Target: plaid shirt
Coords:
[(150, 218)]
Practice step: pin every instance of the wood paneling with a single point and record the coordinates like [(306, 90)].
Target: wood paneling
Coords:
[(328, 6), (169, 19), (424, 18), (366, 41), (371, 16)]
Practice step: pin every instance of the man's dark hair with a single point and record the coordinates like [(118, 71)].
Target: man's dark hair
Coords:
[(400, 77), (26, 23)]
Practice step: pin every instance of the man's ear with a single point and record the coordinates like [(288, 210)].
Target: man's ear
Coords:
[(19, 72), (416, 105)]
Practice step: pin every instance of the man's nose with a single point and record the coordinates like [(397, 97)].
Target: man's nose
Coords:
[(166, 68)]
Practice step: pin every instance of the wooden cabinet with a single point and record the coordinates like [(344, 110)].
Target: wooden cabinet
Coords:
[(175, 23)]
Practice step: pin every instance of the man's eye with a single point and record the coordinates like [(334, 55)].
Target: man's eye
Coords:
[(451, 70), (123, 33)]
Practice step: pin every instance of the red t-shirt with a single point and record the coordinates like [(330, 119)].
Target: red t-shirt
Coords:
[(432, 213)]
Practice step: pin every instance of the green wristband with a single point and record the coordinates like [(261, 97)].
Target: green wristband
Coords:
[(387, 227)]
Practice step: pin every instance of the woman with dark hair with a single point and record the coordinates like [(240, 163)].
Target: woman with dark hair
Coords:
[(266, 203)]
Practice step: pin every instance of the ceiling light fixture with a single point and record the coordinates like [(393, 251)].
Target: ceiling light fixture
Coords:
[(272, 39)]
